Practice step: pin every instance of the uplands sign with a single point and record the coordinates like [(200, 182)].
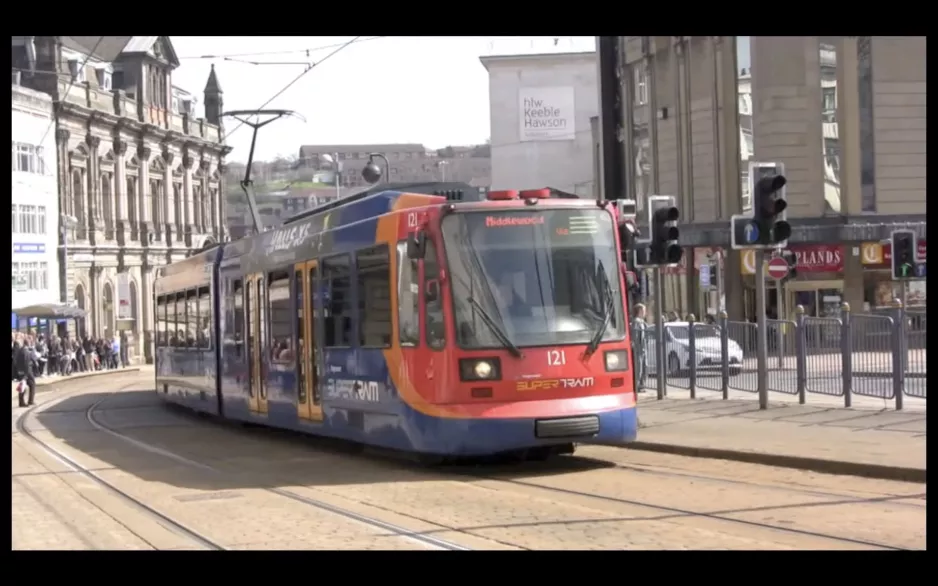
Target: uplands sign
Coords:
[(547, 113)]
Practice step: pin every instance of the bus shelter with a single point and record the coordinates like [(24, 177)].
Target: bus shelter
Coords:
[(44, 316)]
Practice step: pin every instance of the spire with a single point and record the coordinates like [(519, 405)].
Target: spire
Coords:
[(212, 86)]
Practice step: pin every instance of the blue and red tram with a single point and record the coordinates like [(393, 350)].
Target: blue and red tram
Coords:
[(413, 322)]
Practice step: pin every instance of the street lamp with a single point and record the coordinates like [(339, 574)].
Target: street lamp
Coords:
[(372, 172), (65, 222), (333, 160)]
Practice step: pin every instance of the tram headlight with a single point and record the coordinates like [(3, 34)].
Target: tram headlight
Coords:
[(617, 360), (473, 369)]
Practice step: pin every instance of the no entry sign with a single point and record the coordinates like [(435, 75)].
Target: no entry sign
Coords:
[(778, 268)]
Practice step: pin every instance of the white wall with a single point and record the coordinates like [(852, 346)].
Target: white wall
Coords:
[(566, 164), (32, 125)]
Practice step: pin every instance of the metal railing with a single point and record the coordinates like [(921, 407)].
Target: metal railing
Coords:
[(882, 356)]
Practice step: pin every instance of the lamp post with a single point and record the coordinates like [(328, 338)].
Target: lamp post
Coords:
[(372, 173), (333, 160)]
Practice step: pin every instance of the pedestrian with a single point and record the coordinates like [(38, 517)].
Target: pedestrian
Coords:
[(638, 345), (115, 351), (26, 362), (124, 352), (55, 355), (88, 351)]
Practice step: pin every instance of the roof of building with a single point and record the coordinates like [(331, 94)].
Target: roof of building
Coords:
[(212, 86), (108, 49), (488, 60)]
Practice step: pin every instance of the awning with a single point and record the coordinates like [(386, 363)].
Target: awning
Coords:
[(50, 310)]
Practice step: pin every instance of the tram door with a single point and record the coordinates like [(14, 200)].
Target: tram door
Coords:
[(255, 323), (309, 402)]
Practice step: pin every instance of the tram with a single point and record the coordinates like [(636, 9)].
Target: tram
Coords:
[(409, 318)]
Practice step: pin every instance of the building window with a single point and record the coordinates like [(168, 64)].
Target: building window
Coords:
[(15, 216), (104, 79), (29, 219), (28, 158), (641, 84), (867, 132), (41, 220), (31, 276)]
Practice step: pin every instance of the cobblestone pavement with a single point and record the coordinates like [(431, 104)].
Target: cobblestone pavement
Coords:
[(605, 498)]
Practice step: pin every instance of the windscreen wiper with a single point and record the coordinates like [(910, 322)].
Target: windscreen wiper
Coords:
[(496, 329), (608, 310)]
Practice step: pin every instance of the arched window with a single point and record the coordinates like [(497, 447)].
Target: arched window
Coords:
[(107, 202), (78, 200), (109, 324), (80, 301), (132, 201), (156, 200), (197, 208), (177, 207)]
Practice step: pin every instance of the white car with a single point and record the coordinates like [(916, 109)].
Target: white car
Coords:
[(677, 348)]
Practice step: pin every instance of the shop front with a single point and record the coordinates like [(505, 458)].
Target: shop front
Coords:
[(817, 284), (879, 290)]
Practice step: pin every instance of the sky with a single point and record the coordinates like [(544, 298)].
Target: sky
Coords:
[(428, 90)]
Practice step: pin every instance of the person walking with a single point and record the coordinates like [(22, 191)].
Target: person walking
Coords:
[(26, 362), (115, 351), (124, 352), (639, 343)]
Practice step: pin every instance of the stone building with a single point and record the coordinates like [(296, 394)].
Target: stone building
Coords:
[(845, 115), (139, 181)]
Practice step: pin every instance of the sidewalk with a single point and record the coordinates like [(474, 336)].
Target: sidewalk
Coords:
[(861, 441), (53, 380)]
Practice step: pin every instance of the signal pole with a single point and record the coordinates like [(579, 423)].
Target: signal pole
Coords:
[(767, 228), (660, 351), (762, 351)]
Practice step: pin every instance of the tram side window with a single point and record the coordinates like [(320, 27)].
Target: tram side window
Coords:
[(281, 319), (178, 339), (337, 301), (160, 319), (192, 318), (434, 326), (408, 298), (237, 291), (374, 297), (204, 332)]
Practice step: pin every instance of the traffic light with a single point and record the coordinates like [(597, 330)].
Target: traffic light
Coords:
[(769, 205), (904, 245), (665, 249)]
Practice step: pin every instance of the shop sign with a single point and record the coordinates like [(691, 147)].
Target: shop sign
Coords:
[(815, 258), (878, 256)]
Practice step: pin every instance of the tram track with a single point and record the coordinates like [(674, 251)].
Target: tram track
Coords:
[(74, 467), (721, 516), (496, 480), (425, 540)]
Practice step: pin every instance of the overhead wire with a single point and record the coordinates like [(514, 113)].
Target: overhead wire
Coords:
[(307, 51), (296, 79)]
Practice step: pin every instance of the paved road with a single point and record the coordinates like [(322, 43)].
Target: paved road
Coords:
[(606, 498)]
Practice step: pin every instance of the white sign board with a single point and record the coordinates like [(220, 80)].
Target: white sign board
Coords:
[(705, 276), (123, 296), (546, 113)]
